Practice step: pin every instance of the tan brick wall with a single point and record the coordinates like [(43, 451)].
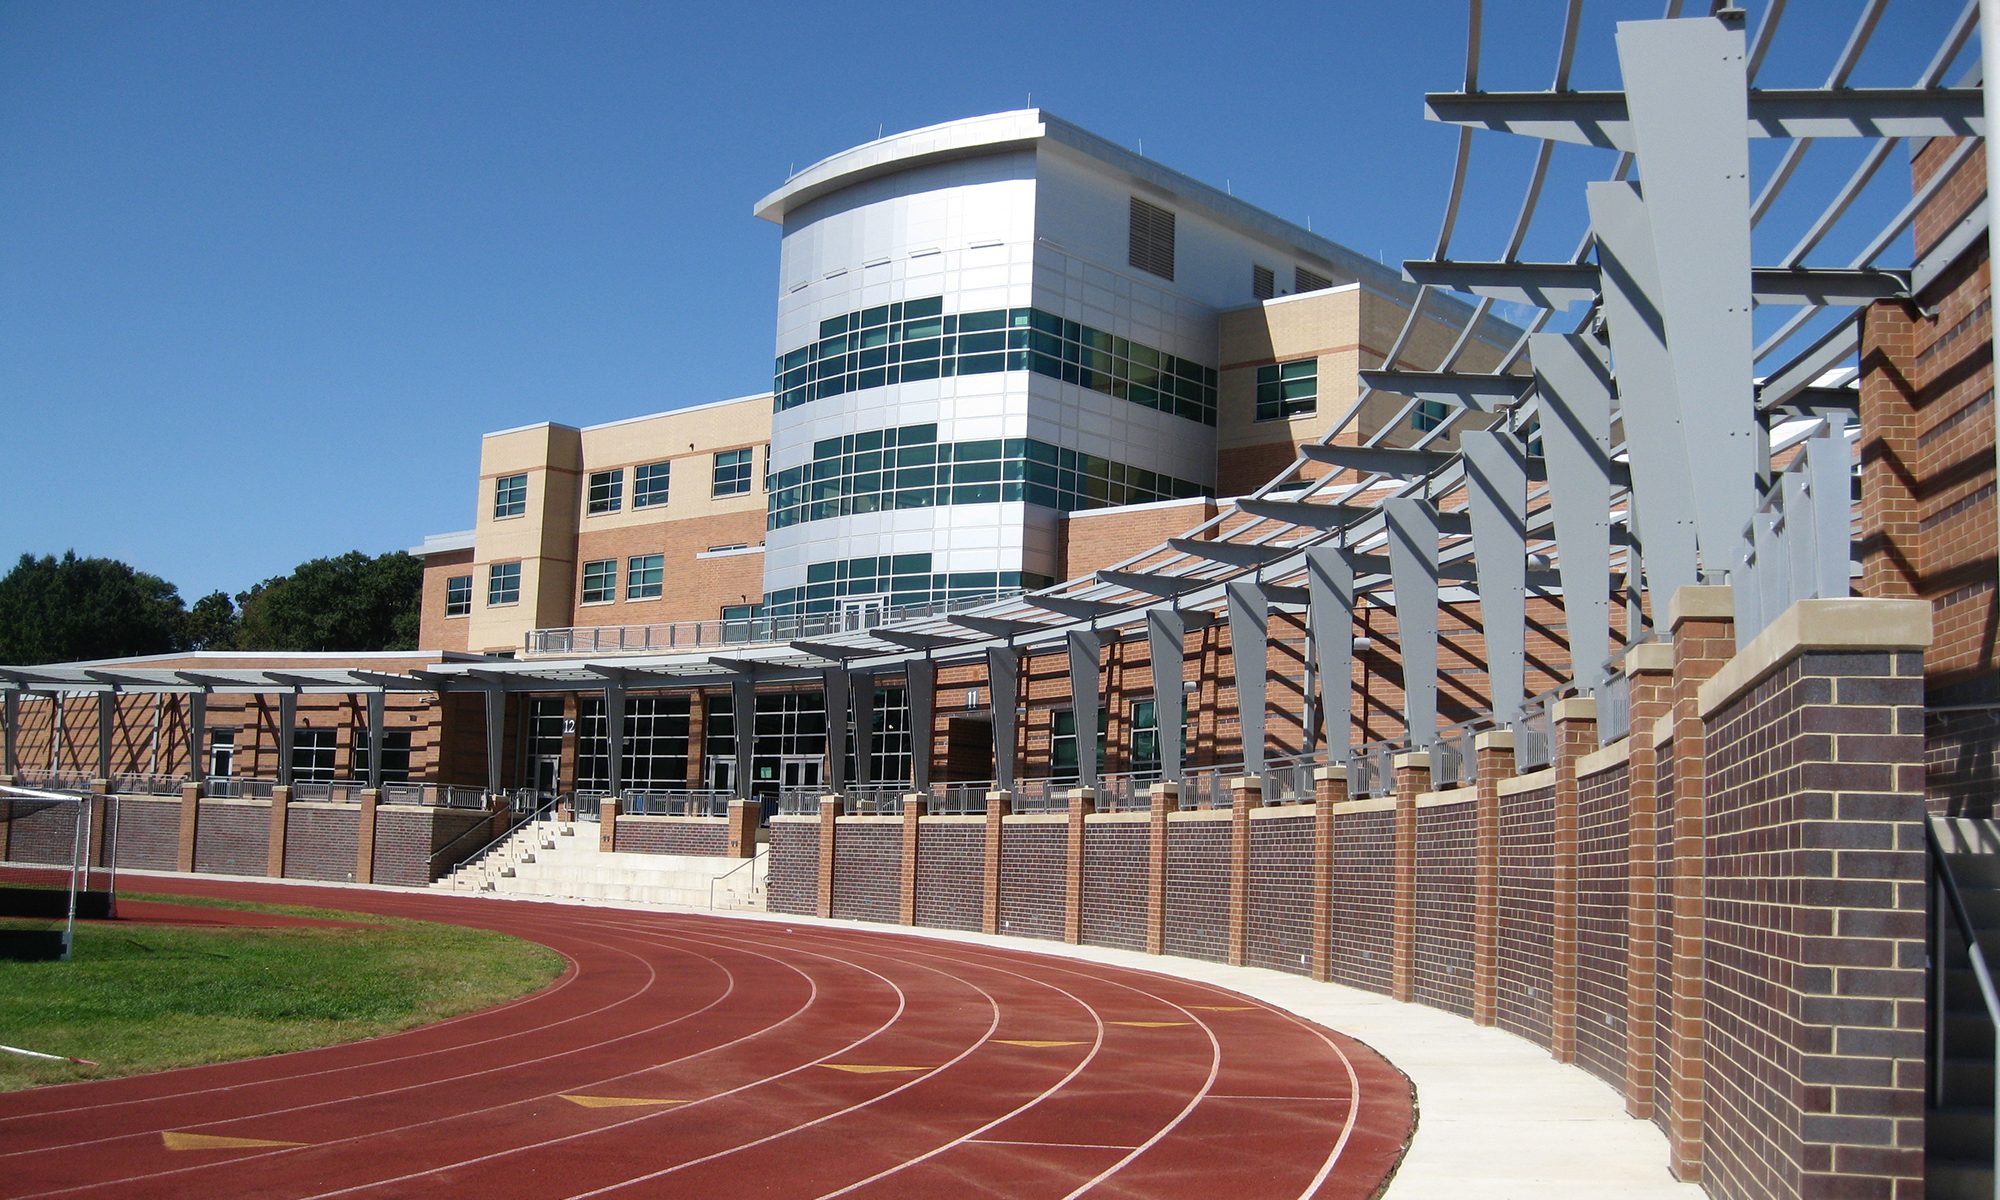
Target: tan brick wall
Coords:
[(437, 631)]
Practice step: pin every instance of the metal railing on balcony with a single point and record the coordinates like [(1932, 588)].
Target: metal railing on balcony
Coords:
[(676, 802), (1290, 780), (337, 791), (135, 783), (1371, 768), (232, 787), (449, 795), (959, 797), (880, 798), (677, 636), (1127, 791)]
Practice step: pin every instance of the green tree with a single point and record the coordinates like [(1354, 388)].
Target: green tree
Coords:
[(351, 602), (211, 623), (70, 609)]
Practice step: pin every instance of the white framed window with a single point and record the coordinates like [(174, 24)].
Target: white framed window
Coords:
[(645, 576), (606, 491), (732, 472), (312, 755), (222, 753), (510, 496), (395, 754), (600, 582), (503, 584), (458, 596), (649, 484), (1288, 389)]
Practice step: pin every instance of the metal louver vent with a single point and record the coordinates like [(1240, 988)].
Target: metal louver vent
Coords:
[(1309, 281), (1152, 247), (1263, 282)]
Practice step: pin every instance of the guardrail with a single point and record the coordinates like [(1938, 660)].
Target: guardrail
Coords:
[(880, 798), (1126, 791), (959, 798), (135, 783), (676, 802), (674, 636), (337, 791), (588, 804)]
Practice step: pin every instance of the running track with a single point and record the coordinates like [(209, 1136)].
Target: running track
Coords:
[(685, 1055)]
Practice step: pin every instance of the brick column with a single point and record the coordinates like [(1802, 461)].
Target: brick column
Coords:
[(1650, 667), (364, 836), (697, 739), (1703, 626), (744, 817), (829, 824), (1082, 802), (573, 720), (1493, 754), (274, 852), (607, 825), (1164, 798), (997, 806), (190, 826), (1890, 538), (913, 813), (1244, 794), (100, 811), (1329, 792), (1574, 735), (1413, 778)]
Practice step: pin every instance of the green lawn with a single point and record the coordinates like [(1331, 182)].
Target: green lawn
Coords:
[(145, 997)]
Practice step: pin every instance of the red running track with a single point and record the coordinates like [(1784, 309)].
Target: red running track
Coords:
[(685, 1055)]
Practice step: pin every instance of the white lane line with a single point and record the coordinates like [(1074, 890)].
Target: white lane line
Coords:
[(1054, 1145)]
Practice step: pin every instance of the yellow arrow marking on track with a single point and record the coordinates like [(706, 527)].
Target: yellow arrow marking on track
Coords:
[(1033, 1043), (615, 1101), (1148, 1024), (209, 1141), (1224, 1007), (870, 1068)]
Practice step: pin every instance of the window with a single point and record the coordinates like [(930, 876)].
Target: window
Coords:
[(1152, 239), (732, 472), (1145, 728), (503, 584), (312, 755), (458, 596), (222, 753), (510, 496), (1287, 389), (1429, 414), (600, 581), (1062, 744), (742, 612), (1309, 281), (645, 576), (649, 484), (1263, 282), (395, 754), (607, 490)]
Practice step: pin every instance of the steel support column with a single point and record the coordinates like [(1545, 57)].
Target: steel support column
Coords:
[(1084, 689), (1003, 685), (743, 707), (864, 727), (1249, 654), (1330, 592), (920, 682), (1576, 437), (107, 714), (377, 708), (496, 736), (1496, 476), (839, 699), (1166, 647), (288, 722), (614, 737), (197, 736), (10, 729), (1413, 573)]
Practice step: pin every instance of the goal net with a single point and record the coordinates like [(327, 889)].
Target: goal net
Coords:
[(58, 865)]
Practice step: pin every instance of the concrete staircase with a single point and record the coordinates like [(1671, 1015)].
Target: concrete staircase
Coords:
[(561, 860), (1958, 1134)]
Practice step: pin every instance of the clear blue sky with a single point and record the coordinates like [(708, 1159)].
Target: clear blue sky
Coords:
[(267, 271)]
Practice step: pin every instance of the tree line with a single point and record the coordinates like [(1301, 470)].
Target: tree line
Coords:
[(72, 609)]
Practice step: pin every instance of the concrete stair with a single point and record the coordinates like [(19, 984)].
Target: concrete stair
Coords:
[(561, 860), (1958, 1134)]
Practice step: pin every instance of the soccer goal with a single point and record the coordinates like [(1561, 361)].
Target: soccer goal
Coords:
[(58, 864)]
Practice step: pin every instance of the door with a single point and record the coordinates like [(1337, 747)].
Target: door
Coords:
[(548, 774), (721, 774), (864, 613)]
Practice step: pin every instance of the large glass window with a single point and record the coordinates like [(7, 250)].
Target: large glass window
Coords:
[(503, 584), (458, 596), (312, 755), (1145, 727), (890, 582), (645, 576), (656, 744), (600, 581), (1062, 744), (510, 496), (395, 754), (649, 484), (732, 472), (605, 492), (1287, 389)]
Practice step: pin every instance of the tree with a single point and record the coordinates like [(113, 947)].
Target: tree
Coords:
[(352, 602), (211, 623), (70, 609)]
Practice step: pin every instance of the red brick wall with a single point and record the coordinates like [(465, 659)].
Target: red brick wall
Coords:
[(1527, 914), (40, 835), (437, 631), (1364, 844), (320, 841), (148, 833), (951, 860), (696, 589), (792, 884), (232, 837), (1279, 920), (1032, 865), (1198, 889), (1663, 947), (1443, 976), (1116, 871), (680, 835), (867, 869), (1603, 921)]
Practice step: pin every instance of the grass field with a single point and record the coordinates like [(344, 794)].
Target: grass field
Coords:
[(146, 997)]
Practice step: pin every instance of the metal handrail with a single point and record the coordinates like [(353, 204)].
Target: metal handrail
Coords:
[(514, 826), (731, 873), (1944, 884)]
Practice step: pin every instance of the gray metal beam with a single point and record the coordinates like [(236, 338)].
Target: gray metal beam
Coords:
[(1071, 606), (1235, 554), (914, 640), (1831, 349), (197, 730), (999, 627), (864, 728), (1413, 562), (1003, 687), (1380, 460), (1556, 285), (1330, 584), (1149, 584), (920, 682), (1686, 88), (1496, 477), (1085, 692), (1600, 118), (107, 713), (743, 704), (288, 716), (1576, 436), (377, 706), (1249, 643), (1305, 514), (496, 733), (1476, 390), (1646, 389), (614, 736), (1166, 646), (10, 730), (839, 698)]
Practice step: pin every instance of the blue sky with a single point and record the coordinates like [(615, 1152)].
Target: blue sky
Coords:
[(268, 270)]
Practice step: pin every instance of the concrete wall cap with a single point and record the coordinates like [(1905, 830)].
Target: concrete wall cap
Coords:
[(1414, 760), (999, 794), (1463, 795), (1493, 739), (1601, 760), (1243, 783), (1574, 708), (1514, 786), (1080, 794), (1324, 773), (1166, 788), (1854, 623), (1656, 655), (1701, 602)]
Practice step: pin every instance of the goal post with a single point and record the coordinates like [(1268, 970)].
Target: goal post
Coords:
[(59, 867)]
